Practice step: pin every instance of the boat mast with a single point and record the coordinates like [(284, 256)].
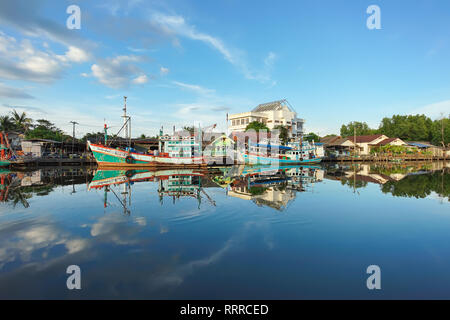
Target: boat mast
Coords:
[(126, 122), (125, 117)]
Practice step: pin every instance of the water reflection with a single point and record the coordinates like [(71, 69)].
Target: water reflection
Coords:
[(253, 232), (263, 185), (418, 180)]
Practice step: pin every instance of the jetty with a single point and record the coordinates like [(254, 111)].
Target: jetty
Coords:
[(387, 158), (51, 162)]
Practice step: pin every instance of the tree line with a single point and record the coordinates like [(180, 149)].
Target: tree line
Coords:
[(43, 129), (39, 129), (405, 127)]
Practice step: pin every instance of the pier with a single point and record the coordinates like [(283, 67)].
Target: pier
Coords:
[(52, 162), (414, 157)]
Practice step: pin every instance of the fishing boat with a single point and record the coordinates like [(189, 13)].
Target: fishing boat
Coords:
[(5, 150), (108, 156), (183, 150), (294, 153)]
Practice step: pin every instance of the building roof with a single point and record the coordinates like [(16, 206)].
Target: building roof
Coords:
[(42, 140), (334, 140), (364, 139), (420, 144), (222, 138), (386, 141), (340, 142), (273, 106), (329, 139)]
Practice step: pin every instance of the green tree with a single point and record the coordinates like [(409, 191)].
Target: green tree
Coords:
[(21, 121), (312, 136), (191, 130), (45, 129), (360, 128), (407, 127), (6, 123), (284, 134), (440, 132), (46, 124), (94, 136), (256, 125)]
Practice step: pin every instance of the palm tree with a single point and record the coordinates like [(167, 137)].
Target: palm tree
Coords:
[(21, 121), (6, 123)]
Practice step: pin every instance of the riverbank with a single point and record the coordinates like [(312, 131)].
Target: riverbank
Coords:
[(386, 158)]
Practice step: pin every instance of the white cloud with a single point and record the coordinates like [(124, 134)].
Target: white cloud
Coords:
[(270, 59), (118, 72), (141, 79), (14, 93), (177, 25), (174, 25), (21, 244), (163, 71), (194, 88), (434, 110), (26, 16), (75, 54), (22, 61)]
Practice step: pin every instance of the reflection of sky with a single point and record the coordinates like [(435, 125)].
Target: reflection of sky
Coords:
[(318, 247)]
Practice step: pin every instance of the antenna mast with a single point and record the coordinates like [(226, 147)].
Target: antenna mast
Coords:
[(125, 117)]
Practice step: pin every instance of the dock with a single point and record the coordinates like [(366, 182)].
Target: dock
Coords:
[(52, 162), (386, 158)]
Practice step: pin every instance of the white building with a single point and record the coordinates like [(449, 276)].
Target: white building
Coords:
[(272, 114), (364, 142)]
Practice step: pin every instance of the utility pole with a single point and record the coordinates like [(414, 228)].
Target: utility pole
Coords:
[(73, 136)]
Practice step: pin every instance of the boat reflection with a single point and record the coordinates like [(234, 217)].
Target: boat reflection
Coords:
[(264, 185)]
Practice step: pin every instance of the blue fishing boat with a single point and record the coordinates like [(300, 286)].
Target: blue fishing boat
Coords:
[(294, 153)]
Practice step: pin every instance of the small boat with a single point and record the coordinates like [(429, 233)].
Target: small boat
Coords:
[(293, 153)]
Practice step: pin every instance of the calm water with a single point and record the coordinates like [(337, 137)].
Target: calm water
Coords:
[(237, 232)]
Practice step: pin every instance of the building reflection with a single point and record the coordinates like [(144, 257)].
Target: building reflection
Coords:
[(274, 188), (265, 186)]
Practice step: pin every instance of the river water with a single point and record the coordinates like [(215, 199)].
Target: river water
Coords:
[(227, 233)]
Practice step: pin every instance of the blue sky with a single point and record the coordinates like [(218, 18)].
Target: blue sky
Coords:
[(191, 62)]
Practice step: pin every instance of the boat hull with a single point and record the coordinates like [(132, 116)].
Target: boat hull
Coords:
[(4, 163), (109, 157)]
